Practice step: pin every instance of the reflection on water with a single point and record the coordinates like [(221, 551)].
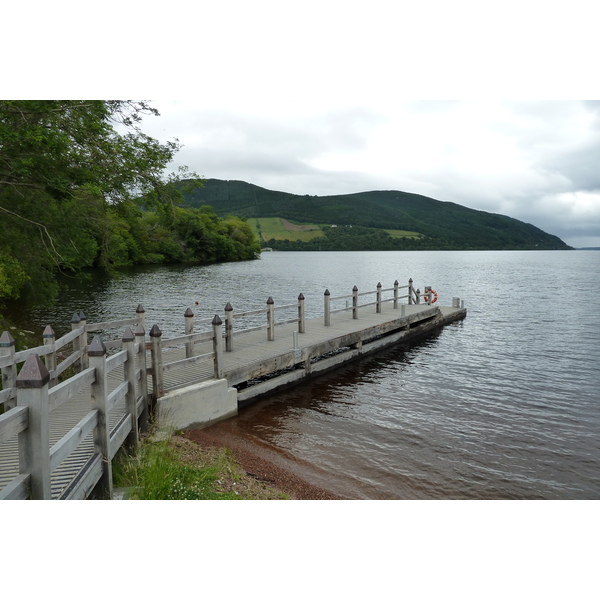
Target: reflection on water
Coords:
[(501, 405)]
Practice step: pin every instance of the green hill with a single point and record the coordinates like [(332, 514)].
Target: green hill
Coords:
[(361, 220)]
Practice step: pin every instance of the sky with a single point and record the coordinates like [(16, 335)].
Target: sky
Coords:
[(536, 161), (487, 105)]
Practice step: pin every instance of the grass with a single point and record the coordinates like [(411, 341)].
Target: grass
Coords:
[(267, 228), (175, 468), (401, 233)]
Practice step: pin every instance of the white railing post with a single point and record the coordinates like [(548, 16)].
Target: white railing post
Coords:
[(189, 330), (427, 295), (327, 308), (99, 397), (218, 346), (9, 373), (410, 291), (228, 327), (140, 336), (131, 397), (158, 388), (418, 295), (270, 319), (140, 316), (301, 320), (355, 302), (83, 340), (75, 321), (34, 442), (396, 294), (378, 305), (50, 358)]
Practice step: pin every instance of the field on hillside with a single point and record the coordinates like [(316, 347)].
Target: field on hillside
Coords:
[(280, 229), (276, 228), (400, 233)]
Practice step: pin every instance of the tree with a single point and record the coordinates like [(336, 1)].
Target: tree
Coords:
[(64, 165)]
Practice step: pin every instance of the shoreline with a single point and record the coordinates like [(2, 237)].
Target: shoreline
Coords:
[(262, 463)]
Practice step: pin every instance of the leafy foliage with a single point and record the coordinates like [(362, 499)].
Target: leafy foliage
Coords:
[(442, 225), (82, 186)]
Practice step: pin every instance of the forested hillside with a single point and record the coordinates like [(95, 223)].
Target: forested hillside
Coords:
[(441, 225)]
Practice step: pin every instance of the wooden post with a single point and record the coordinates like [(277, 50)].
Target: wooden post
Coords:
[(427, 294), (140, 336), (34, 442), (327, 308), (75, 321), (140, 315), (270, 319), (50, 359), (83, 341), (355, 302), (228, 328), (128, 340), (396, 294), (410, 291), (418, 293), (218, 346), (9, 374), (158, 387), (301, 319), (378, 305), (99, 397), (189, 330)]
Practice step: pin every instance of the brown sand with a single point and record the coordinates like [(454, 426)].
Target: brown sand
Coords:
[(262, 463)]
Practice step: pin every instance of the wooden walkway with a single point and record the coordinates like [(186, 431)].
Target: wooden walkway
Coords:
[(255, 366), (63, 420)]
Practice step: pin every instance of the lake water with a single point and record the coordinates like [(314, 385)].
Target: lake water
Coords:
[(505, 404)]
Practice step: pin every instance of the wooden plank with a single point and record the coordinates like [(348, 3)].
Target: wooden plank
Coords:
[(81, 487), (65, 364), (17, 489), (184, 339), (13, 422), (23, 355), (66, 339), (68, 389), (62, 449), (119, 434), (8, 394), (116, 360), (7, 361), (193, 360), (117, 394)]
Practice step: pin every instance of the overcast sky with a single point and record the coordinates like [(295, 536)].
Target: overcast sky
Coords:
[(334, 97), (537, 161)]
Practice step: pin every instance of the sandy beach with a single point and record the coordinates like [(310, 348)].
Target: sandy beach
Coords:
[(263, 463)]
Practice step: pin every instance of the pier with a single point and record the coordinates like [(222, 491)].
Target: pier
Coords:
[(72, 403)]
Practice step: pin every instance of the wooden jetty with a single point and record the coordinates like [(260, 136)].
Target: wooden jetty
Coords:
[(59, 434)]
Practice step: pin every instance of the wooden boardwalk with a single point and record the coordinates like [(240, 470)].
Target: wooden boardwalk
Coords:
[(63, 420), (255, 365)]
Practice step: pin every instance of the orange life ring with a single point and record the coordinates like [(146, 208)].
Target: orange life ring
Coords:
[(434, 296)]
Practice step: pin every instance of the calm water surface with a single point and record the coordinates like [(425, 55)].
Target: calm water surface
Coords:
[(505, 404)]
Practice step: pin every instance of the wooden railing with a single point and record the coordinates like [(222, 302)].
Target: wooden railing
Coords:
[(36, 400)]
